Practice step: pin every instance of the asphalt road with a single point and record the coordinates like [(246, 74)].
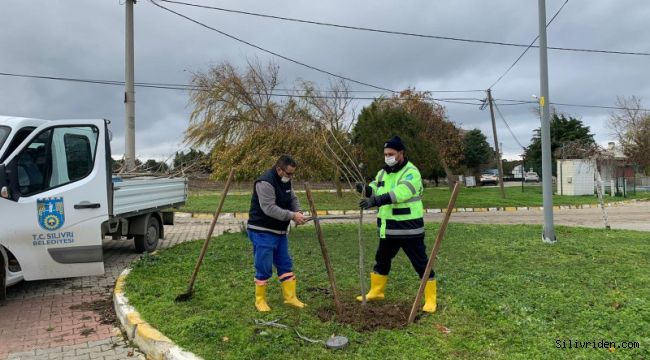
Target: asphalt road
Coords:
[(635, 216)]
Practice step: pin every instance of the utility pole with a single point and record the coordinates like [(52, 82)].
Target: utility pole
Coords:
[(496, 145), (548, 235), (129, 93)]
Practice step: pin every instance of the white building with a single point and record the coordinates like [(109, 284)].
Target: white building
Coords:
[(575, 177), (608, 168)]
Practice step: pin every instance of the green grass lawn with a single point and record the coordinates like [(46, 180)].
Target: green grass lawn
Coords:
[(502, 292), (434, 198)]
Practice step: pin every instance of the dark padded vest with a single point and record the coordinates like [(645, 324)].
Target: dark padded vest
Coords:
[(257, 217)]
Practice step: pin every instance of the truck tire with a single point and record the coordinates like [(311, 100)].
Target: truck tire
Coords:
[(149, 241)]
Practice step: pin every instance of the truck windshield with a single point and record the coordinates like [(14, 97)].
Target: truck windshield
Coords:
[(4, 133)]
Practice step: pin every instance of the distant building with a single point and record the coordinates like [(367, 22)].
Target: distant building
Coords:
[(575, 177), (616, 165), (518, 172)]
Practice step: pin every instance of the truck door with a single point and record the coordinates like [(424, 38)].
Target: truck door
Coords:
[(58, 199)]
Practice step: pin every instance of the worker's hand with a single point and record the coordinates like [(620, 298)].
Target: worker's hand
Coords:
[(369, 202), (364, 189), (299, 218)]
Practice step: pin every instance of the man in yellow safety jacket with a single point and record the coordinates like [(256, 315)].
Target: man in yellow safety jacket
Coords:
[(397, 191)]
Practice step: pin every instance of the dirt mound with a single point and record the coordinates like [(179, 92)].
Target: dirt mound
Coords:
[(102, 307), (372, 316)]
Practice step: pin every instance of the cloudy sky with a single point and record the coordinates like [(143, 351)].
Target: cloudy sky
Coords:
[(85, 39)]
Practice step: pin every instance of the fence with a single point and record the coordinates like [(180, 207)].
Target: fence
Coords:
[(643, 181)]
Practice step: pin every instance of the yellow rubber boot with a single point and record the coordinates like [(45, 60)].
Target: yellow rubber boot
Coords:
[(430, 303), (260, 298), (289, 292), (377, 287)]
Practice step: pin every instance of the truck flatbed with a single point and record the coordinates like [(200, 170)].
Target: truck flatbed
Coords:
[(136, 195)]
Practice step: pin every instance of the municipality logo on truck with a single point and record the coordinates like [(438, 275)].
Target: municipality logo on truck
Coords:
[(51, 214)]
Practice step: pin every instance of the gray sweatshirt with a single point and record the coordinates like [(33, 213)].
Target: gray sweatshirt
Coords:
[(266, 195)]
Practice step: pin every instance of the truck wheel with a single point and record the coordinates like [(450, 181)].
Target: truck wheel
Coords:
[(149, 241)]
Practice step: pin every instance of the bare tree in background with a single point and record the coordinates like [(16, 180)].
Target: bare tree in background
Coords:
[(239, 116), (333, 110), (228, 103), (631, 126)]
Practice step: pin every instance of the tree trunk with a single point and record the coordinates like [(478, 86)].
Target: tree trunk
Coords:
[(450, 175), (337, 182)]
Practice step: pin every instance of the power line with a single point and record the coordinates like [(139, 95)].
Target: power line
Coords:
[(517, 103), (176, 86), (104, 82), (416, 91), (271, 52), (284, 89), (527, 102), (438, 37), (529, 46), (508, 126), (595, 106), (185, 87)]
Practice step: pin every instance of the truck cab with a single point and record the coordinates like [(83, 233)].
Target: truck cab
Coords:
[(57, 200)]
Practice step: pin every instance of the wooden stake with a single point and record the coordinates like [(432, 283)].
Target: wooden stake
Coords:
[(434, 252), (323, 248), (190, 287), (362, 273)]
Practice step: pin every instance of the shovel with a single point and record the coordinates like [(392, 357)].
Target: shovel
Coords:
[(434, 252), (187, 295)]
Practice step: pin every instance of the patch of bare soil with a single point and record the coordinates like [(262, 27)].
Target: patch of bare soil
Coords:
[(102, 307), (369, 317)]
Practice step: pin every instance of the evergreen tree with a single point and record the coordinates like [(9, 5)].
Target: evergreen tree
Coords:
[(563, 130)]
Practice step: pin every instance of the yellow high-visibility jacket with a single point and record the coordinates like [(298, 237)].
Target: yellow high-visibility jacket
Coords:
[(404, 216)]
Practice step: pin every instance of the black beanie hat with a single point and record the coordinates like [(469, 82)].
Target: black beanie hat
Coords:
[(394, 143)]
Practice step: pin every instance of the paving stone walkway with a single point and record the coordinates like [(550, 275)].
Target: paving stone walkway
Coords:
[(66, 318)]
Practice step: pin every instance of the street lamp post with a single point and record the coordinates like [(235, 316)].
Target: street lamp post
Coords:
[(548, 234)]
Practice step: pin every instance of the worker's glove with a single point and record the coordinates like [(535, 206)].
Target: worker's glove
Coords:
[(364, 189), (373, 201)]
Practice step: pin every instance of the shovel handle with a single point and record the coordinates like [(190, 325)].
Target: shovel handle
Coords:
[(434, 252), (212, 226)]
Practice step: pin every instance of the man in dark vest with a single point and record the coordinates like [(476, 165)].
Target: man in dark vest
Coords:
[(273, 206)]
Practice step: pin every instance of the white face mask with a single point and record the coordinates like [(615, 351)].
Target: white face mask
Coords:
[(390, 160), (285, 179)]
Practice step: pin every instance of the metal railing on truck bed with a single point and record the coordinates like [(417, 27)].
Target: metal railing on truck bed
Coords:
[(132, 196)]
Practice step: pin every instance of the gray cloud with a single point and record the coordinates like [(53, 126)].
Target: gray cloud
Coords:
[(86, 40)]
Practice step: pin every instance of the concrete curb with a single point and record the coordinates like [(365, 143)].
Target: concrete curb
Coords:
[(244, 216), (151, 342)]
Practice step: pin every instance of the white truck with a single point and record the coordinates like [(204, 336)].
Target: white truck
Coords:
[(59, 200)]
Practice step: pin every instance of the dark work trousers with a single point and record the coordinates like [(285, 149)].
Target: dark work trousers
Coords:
[(413, 247)]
